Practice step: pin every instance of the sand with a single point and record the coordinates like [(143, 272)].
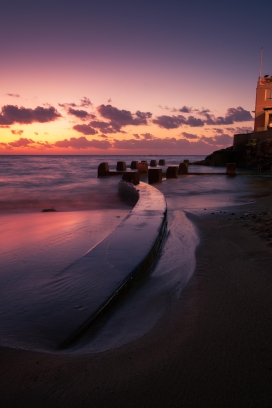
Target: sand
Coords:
[(212, 348)]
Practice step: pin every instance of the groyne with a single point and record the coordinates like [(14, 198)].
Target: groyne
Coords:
[(109, 268)]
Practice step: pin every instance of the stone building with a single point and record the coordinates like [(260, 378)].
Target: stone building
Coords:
[(263, 117)]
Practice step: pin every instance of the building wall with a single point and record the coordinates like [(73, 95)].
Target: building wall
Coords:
[(240, 140)]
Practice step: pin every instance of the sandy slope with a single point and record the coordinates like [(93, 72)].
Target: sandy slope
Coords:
[(212, 348)]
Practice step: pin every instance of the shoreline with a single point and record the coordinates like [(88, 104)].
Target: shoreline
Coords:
[(212, 347)]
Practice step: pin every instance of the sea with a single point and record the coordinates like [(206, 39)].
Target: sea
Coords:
[(36, 245)]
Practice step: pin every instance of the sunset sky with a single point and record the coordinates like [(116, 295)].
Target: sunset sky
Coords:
[(121, 77)]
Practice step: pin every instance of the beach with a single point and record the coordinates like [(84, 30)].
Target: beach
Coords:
[(211, 347)]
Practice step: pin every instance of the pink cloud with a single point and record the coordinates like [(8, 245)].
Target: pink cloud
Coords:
[(22, 142), (13, 95), (83, 143), (17, 132)]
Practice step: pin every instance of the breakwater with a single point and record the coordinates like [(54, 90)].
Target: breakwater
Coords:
[(110, 267)]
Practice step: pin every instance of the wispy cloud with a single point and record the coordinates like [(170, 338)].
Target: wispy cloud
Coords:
[(17, 132), (84, 103), (238, 129), (13, 95)]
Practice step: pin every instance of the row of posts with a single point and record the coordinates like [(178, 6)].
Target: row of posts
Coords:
[(154, 173)]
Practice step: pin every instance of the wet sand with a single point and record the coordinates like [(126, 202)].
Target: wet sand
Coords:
[(211, 348)]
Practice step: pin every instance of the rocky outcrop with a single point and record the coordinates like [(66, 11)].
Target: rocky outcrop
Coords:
[(256, 153), (222, 157)]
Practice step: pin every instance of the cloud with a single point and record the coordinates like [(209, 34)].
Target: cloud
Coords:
[(105, 127), (189, 135), (239, 114), (43, 145), (13, 95), (22, 142), (160, 144), (36, 133), (242, 129), (12, 114), (4, 126), (83, 143), (148, 136), (169, 122), (85, 129), (194, 122), (17, 132), (164, 107), (136, 136), (85, 102), (174, 122), (109, 100), (185, 109), (66, 105), (157, 144), (222, 140), (120, 117), (217, 130), (79, 113), (233, 115)]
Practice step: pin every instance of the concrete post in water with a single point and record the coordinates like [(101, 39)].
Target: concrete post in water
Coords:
[(134, 165), (230, 169), (186, 162), (128, 192), (153, 163), (183, 169), (172, 172), (142, 167), (131, 177), (103, 169), (161, 162), (154, 176), (121, 166)]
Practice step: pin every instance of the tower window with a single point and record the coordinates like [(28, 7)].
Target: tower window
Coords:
[(268, 94)]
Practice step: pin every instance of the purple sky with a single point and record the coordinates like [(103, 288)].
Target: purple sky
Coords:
[(107, 77)]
